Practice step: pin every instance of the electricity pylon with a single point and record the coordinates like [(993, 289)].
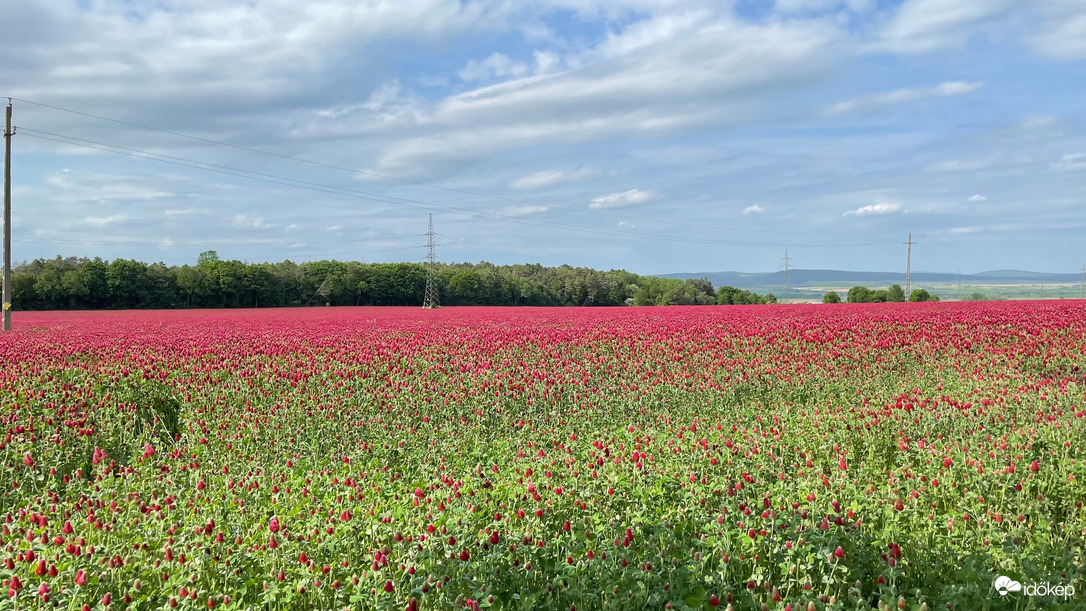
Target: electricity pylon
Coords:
[(431, 300)]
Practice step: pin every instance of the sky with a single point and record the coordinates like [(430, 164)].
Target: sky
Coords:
[(656, 136)]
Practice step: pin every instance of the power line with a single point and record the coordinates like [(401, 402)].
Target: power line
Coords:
[(171, 244), (412, 182), (387, 199)]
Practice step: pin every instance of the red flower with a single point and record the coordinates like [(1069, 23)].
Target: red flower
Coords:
[(464, 556), (273, 525)]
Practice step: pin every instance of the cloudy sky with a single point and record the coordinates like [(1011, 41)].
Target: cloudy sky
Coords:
[(652, 135)]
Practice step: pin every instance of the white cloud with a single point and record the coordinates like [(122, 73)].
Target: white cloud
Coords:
[(755, 209), (497, 65), (1038, 122), (1069, 163), (546, 61), (179, 212), (246, 221), (524, 210), (820, 6), (547, 178), (868, 103), (1063, 33), (882, 208), (959, 165), (665, 75), (626, 198), (805, 6), (102, 221), (977, 198), (922, 26)]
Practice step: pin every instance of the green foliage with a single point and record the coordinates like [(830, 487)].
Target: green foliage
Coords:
[(729, 295), (922, 295), (831, 297), (157, 409), (681, 459), (862, 294), (859, 294), (73, 283), (207, 257)]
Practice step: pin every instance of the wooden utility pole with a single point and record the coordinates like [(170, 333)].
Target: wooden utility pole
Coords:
[(5, 303), (909, 267)]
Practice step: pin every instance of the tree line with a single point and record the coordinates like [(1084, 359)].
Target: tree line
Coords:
[(74, 283), (862, 294)]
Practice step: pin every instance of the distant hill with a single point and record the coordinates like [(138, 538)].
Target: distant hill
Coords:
[(839, 278)]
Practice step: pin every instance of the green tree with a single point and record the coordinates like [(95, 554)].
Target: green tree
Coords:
[(859, 294), (922, 295), (831, 297), (896, 293), (190, 283), (207, 257), (124, 276), (93, 276)]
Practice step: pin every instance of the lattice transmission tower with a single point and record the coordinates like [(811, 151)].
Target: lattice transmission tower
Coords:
[(909, 267), (787, 266), (431, 299)]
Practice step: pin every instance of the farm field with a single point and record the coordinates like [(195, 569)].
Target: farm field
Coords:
[(891, 456)]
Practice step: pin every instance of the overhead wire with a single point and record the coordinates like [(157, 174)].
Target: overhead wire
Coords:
[(415, 182), (342, 191)]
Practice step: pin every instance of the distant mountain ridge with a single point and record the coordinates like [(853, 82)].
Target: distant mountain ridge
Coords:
[(840, 278)]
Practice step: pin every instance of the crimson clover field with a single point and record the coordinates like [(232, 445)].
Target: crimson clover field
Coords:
[(892, 456)]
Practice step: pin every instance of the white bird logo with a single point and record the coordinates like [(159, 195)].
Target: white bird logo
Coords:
[(1004, 584)]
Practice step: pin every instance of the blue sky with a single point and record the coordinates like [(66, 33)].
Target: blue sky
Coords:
[(656, 136)]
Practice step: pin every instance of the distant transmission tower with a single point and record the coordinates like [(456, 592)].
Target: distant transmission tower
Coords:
[(787, 265), (1082, 286), (431, 300), (909, 267)]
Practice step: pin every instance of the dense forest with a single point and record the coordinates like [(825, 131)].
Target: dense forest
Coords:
[(82, 284)]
